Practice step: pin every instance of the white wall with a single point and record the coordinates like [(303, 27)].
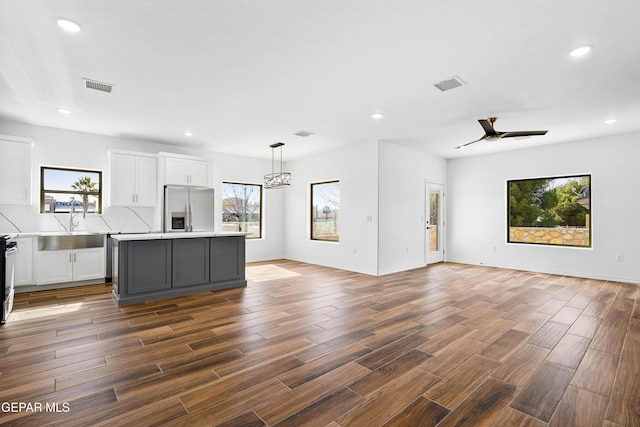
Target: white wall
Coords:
[(387, 183), (251, 171), (403, 174), (63, 148), (477, 208), (357, 169)]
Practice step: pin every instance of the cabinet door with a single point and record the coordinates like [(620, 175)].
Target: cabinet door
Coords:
[(24, 261), (123, 172), (54, 267), (15, 190), (146, 180), (88, 264), (190, 262), (176, 171), (199, 172), (148, 266), (227, 258), (133, 180)]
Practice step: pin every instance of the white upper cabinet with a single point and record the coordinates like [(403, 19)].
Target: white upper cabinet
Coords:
[(15, 182), (133, 179), (185, 170)]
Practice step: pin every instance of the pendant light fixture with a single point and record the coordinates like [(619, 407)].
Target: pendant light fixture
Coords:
[(277, 179)]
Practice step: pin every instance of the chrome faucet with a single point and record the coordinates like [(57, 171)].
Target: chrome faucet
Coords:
[(72, 214)]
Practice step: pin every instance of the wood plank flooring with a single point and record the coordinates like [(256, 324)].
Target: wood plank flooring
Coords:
[(447, 345)]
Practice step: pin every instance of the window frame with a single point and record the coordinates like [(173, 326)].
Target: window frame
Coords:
[(588, 226), (260, 209), (98, 194), (311, 211)]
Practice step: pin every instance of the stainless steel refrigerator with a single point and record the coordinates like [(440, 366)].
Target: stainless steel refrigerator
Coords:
[(187, 208)]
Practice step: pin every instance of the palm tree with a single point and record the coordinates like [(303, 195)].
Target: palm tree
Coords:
[(85, 187)]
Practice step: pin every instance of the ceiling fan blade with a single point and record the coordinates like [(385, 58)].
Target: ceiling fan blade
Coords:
[(488, 127), (523, 133), (491, 133), (469, 143)]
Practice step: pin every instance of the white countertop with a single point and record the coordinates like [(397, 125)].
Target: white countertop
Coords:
[(77, 232), (189, 235)]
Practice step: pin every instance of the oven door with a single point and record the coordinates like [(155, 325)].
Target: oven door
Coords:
[(9, 281)]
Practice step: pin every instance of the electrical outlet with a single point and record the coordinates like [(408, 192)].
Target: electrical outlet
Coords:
[(354, 251), (619, 258)]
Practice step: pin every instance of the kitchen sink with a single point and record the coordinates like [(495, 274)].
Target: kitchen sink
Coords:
[(70, 240)]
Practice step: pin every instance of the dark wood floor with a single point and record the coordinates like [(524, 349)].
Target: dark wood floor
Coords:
[(306, 345)]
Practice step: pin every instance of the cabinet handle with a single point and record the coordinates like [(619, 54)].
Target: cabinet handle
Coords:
[(133, 198), (69, 256), (74, 257)]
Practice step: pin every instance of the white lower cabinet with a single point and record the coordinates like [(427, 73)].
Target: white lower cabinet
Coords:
[(70, 265), (88, 264), (24, 261)]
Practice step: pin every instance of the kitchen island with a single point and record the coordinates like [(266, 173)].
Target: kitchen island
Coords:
[(162, 265)]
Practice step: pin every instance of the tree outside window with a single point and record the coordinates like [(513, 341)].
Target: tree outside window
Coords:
[(60, 187), (242, 208), (550, 211), (325, 209)]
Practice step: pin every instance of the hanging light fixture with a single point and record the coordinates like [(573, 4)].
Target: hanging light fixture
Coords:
[(277, 179)]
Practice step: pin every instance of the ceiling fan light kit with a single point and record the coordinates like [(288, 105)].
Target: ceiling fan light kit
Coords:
[(490, 132)]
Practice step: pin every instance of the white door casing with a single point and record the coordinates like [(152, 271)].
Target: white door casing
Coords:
[(434, 223)]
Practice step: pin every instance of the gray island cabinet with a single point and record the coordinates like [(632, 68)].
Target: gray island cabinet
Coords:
[(162, 265)]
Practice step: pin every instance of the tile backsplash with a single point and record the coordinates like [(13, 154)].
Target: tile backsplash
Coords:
[(23, 219)]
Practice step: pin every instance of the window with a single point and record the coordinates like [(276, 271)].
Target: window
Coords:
[(242, 208), (325, 209), (550, 211), (60, 186)]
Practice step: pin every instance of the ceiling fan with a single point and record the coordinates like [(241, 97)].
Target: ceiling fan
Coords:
[(491, 133)]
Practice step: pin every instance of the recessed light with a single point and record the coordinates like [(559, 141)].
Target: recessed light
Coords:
[(188, 133), (611, 120), (581, 51), (377, 116), (67, 25), (64, 111)]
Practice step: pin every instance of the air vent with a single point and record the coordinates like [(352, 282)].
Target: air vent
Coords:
[(303, 133), (95, 85), (450, 83)]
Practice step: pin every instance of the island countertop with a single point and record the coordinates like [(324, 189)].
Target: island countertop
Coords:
[(175, 235)]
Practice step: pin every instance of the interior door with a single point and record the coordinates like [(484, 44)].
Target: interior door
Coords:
[(434, 224)]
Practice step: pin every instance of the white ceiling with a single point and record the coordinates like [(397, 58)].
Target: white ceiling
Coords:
[(243, 74)]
